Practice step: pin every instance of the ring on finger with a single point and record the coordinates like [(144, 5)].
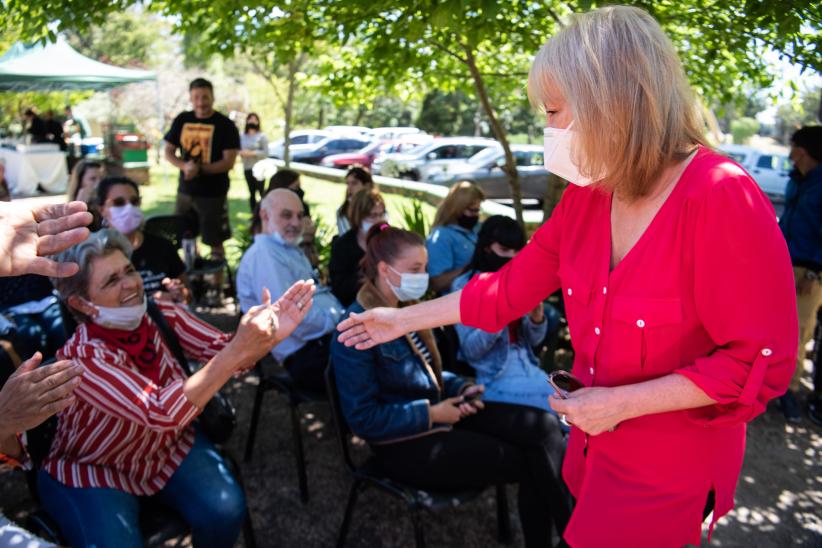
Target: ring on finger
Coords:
[(564, 420)]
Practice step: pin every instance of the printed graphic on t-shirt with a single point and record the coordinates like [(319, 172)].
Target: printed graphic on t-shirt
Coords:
[(196, 141)]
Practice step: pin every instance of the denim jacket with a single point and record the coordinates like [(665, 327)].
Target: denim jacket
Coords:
[(510, 372), (385, 392)]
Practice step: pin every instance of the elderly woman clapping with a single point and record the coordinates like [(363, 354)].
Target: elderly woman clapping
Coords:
[(129, 433)]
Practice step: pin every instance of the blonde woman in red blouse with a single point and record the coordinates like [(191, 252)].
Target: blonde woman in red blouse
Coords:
[(676, 280), (128, 432)]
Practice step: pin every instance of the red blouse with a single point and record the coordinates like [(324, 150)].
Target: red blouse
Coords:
[(124, 430), (707, 292)]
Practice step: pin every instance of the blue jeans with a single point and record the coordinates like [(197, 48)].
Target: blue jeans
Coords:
[(202, 491)]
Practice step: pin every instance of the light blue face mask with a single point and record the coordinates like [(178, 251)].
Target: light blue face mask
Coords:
[(412, 286)]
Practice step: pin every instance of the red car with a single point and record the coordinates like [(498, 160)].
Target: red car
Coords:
[(365, 157)]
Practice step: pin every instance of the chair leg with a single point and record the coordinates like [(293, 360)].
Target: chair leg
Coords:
[(349, 511), (249, 539), (503, 517), (419, 534), (299, 454), (255, 417)]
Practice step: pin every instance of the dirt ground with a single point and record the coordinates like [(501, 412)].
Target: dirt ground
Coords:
[(778, 501)]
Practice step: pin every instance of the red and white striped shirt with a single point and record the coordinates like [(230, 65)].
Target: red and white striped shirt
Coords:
[(124, 431)]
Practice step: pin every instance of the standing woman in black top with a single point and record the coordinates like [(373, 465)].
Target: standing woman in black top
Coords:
[(154, 257), (366, 209)]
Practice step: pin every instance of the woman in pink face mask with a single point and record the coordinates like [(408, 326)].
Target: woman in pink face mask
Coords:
[(659, 246), (154, 257)]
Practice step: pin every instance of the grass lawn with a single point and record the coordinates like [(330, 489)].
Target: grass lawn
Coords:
[(323, 198)]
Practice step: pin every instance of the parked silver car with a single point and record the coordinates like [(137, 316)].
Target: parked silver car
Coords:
[(485, 170), (300, 140), (419, 163)]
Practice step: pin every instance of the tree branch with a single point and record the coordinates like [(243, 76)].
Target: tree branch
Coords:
[(267, 74)]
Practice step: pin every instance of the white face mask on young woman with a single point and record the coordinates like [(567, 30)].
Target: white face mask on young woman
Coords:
[(558, 144), (127, 318), (126, 219), (412, 286)]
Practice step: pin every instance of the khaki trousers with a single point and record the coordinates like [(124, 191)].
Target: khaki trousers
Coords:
[(806, 305)]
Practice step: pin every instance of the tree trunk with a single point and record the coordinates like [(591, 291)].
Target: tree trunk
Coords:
[(510, 167), (553, 193), (289, 109)]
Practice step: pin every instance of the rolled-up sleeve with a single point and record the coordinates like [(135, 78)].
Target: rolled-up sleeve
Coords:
[(746, 300), (493, 299)]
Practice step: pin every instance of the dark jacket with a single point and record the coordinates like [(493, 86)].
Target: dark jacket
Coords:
[(344, 267), (801, 223), (385, 392)]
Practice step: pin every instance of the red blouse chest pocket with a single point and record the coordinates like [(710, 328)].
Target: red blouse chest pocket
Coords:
[(576, 293), (652, 329)]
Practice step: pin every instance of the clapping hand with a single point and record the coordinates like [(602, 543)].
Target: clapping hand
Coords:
[(266, 325), (293, 306), (28, 235)]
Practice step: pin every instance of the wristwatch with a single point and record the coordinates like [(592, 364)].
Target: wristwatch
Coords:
[(811, 275)]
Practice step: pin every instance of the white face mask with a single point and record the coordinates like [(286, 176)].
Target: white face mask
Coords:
[(126, 219), (286, 241), (127, 318), (558, 145), (412, 286)]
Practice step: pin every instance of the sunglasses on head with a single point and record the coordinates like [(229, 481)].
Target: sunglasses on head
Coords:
[(120, 201)]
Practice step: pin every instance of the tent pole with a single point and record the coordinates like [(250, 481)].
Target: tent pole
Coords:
[(159, 124)]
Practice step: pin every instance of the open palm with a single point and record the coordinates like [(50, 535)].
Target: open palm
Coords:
[(29, 235), (292, 307)]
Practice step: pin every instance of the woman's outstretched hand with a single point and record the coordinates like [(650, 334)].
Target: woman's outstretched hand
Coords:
[(367, 329), (292, 307)]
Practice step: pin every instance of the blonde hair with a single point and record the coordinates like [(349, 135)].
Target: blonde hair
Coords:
[(632, 106), (361, 205), (461, 195)]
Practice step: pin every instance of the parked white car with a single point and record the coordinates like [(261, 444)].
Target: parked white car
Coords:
[(349, 131), (300, 140), (387, 133), (769, 169), (418, 164)]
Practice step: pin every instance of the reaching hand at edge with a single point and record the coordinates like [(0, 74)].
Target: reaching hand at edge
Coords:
[(32, 394), (29, 235)]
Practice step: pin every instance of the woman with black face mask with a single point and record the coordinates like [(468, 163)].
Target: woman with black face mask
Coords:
[(254, 148), (453, 237), (505, 361)]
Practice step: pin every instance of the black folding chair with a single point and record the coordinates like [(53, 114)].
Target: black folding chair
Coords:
[(174, 228), (283, 383), (417, 500)]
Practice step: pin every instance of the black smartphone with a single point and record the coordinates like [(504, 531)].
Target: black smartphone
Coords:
[(564, 383), (468, 398)]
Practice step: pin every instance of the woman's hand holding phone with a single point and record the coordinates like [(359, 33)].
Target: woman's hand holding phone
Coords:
[(594, 410)]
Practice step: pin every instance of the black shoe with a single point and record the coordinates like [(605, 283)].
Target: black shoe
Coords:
[(815, 410), (790, 408)]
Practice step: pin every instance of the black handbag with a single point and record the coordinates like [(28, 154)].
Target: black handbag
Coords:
[(219, 418)]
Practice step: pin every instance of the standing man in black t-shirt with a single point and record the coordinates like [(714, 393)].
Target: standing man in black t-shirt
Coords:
[(209, 143)]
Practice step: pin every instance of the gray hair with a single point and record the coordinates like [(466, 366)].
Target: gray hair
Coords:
[(98, 244)]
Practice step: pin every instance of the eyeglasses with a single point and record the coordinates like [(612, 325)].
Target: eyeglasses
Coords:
[(120, 201)]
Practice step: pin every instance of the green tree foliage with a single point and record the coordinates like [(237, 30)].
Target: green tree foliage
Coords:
[(125, 39), (447, 113), (743, 129)]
